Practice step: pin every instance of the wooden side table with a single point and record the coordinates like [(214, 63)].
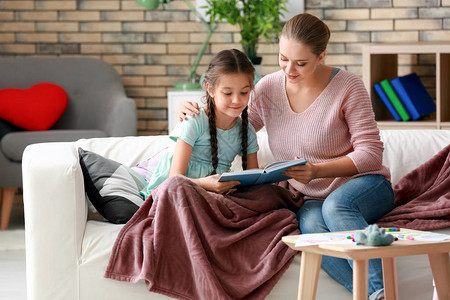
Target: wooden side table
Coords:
[(438, 255)]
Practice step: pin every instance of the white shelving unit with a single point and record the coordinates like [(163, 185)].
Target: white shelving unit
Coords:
[(380, 61), (175, 99)]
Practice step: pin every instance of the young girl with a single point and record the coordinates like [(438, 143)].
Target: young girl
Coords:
[(206, 146)]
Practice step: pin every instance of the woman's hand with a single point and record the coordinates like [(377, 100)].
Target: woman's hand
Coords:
[(302, 173), (187, 109), (341, 167), (211, 183)]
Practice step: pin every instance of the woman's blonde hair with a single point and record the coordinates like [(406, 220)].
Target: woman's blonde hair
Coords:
[(308, 30)]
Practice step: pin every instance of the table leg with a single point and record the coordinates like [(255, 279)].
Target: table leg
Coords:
[(309, 275), (360, 279), (390, 278), (440, 267)]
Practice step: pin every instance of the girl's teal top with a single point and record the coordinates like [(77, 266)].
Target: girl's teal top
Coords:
[(195, 132)]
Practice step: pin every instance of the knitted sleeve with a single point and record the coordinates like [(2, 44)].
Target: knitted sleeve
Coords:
[(365, 135)]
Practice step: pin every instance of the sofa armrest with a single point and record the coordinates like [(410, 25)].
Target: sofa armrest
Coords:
[(55, 219)]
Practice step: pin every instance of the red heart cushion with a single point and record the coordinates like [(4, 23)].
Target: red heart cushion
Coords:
[(36, 108)]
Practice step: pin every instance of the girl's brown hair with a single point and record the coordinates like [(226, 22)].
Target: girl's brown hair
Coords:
[(309, 30), (227, 62)]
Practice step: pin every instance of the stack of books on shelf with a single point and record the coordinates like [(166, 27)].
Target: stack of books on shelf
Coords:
[(405, 97)]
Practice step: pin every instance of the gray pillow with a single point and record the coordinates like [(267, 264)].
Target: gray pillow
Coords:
[(112, 188)]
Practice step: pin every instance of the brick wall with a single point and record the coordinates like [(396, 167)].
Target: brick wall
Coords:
[(152, 50)]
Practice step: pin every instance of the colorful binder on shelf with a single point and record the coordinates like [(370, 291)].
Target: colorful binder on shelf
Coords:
[(390, 93), (413, 95), (387, 102)]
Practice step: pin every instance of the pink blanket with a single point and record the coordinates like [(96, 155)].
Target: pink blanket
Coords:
[(422, 197), (191, 244)]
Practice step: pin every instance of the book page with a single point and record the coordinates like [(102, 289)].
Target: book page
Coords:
[(284, 165), (323, 238), (418, 235), (249, 171)]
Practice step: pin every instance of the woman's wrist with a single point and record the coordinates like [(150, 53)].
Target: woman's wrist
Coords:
[(336, 168)]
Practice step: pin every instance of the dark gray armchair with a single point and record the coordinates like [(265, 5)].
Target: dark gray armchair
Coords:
[(97, 107)]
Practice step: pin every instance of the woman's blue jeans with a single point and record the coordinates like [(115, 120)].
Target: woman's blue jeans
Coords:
[(355, 204)]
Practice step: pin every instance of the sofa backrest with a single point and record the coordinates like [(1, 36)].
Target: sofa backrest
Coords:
[(91, 84), (404, 150)]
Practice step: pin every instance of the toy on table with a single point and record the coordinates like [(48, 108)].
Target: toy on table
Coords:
[(374, 236)]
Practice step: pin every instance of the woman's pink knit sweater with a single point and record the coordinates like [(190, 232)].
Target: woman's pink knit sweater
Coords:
[(340, 122)]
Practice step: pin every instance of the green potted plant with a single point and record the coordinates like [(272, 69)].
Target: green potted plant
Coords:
[(256, 18)]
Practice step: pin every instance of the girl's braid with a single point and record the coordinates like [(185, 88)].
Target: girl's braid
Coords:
[(244, 130), (213, 133)]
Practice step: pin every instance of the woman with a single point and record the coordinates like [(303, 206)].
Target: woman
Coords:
[(324, 115)]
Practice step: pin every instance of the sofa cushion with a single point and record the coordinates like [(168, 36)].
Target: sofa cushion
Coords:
[(36, 108), (13, 144), (111, 187)]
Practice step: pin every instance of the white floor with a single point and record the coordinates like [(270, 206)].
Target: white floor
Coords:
[(12, 257)]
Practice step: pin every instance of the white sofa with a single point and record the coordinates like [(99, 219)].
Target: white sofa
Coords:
[(67, 253)]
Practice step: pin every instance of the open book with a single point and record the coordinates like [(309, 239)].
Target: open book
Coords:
[(270, 174)]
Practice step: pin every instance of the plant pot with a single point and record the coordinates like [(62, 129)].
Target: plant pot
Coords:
[(256, 61), (150, 4), (188, 86)]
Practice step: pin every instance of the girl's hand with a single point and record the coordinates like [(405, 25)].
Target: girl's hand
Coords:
[(302, 173), (187, 109), (211, 183)]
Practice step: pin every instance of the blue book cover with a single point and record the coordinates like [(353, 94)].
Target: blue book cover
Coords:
[(386, 102), (270, 174), (413, 95)]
